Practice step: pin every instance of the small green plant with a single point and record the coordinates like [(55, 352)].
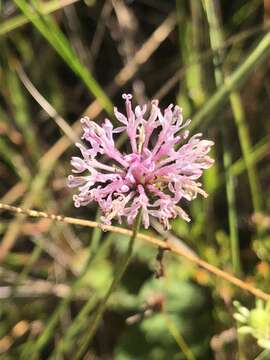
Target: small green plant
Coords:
[(255, 322)]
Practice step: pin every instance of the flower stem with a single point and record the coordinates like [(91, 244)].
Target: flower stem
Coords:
[(117, 278)]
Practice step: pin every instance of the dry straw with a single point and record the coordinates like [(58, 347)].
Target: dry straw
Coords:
[(150, 239)]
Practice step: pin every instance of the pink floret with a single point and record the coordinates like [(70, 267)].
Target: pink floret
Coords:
[(161, 169)]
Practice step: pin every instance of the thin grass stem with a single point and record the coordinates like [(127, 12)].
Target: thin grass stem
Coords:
[(117, 278), (150, 239), (216, 39)]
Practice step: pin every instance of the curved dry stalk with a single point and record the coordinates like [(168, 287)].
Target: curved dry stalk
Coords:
[(46, 106), (150, 239)]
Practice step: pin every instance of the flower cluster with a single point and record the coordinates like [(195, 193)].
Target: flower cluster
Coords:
[(255, 322), (161, 169)]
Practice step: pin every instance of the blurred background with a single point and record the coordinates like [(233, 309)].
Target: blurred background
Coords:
[(61, 59)]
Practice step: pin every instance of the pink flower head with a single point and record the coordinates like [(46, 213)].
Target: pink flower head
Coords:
[(161, 169)]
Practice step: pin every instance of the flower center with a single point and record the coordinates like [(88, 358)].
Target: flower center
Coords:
[(140, 170)]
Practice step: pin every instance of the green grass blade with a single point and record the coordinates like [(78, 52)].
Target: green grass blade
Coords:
[(21, 114), (245, 142), (240, 122), (49, 29), (19, 20), (216, 40), (14, 160), (258, 152), (234, 81)]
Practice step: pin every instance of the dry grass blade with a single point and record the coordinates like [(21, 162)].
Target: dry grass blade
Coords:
[(50, 30), (34, 289), (46, 106), (143, 54), (100, 30), (174, 248)]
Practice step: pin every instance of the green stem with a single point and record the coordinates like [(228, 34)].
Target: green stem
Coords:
[(34, 351), (216, 40), (19, 20), (234, 81), (232, 214), (102, 306), (245, 143), (173, 330), (264, 355)]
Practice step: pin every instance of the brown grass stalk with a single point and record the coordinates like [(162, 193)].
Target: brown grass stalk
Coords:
[(150, 239)]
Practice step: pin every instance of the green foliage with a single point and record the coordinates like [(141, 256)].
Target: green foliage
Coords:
[(183, 303), (54, 277)]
